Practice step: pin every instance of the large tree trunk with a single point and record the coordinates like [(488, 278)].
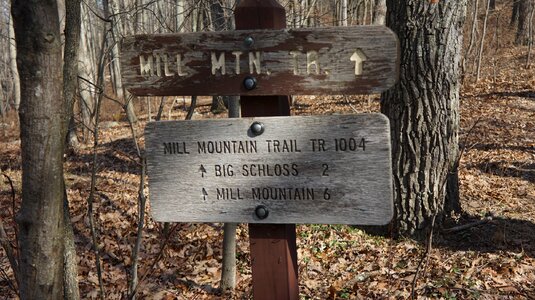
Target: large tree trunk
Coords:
[(524, 11), (40, 219), (423, 108)]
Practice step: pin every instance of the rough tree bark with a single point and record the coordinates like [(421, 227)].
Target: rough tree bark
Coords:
[(40, 220), (423, 108)]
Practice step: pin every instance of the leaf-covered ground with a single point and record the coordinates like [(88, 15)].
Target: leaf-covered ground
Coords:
[(492, 258)]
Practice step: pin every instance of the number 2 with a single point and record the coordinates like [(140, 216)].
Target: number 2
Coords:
[(325, 168)]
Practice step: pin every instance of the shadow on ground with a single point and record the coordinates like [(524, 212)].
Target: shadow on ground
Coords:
[(518, 169), (498, 234), (524, 94), (118, 155), (500, 146)]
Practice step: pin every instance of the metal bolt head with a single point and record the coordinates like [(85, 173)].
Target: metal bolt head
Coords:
[(249, 83), (261, 212), (257, 128), (248, 41)]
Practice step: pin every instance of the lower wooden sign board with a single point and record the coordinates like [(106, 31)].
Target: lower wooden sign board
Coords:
[(317, 169)]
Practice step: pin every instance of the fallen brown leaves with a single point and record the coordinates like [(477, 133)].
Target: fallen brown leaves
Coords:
[(490, 261)]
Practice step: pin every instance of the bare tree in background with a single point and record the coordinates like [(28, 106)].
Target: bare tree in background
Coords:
[(70, 84), (217, 23), (13, 64), (514, 14), (525, 7), (379, 12)]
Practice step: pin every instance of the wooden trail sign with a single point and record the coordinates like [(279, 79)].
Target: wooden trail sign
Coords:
[(312, 61), (292, 183), (328, 170)]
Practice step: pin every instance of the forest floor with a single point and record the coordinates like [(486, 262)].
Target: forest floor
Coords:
[(492, 258)]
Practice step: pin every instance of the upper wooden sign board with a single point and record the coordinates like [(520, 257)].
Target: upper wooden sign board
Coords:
[(327, 170), (312, 61)]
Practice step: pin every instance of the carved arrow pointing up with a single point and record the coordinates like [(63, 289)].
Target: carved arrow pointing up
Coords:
[(358, 57), (204, 194), (203, 170)]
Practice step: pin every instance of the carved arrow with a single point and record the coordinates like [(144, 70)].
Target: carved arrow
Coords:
[(204, 194), (358, 57), (203, 170)]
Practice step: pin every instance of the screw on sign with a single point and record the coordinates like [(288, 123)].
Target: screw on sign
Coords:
[(268, 172), (261, 212), (249, 41), (249, 83), (257, 128)]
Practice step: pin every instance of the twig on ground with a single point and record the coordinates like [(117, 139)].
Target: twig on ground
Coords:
[(467, 226), (350, 105)]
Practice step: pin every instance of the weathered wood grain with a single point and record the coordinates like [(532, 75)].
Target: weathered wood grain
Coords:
[(298, 61), (184, 185)]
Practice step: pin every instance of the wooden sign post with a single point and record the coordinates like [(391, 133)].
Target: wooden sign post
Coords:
[(267, 169), (273, 248)]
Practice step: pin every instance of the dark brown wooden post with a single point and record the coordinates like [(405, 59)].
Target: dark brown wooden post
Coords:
[(273, 247)]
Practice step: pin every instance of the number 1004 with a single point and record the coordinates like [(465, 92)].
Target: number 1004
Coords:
[(349, 144)]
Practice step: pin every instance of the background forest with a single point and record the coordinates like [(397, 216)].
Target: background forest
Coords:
[(485, 250)]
